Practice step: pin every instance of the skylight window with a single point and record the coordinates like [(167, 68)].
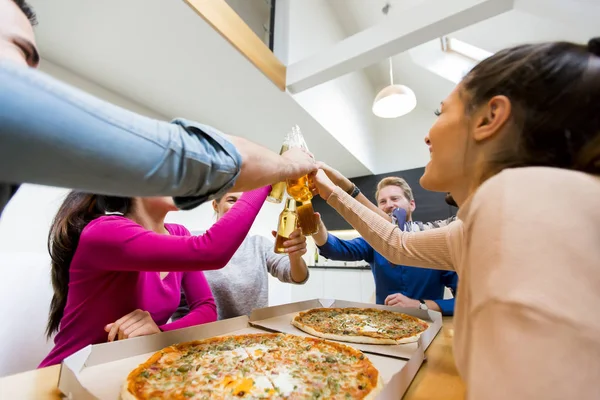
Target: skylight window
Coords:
[(450, 44)]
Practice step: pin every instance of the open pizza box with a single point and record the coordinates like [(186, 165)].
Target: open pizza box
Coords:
[(99, 371), (279, 319)]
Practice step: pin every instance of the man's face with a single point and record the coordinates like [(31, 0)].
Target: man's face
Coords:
[(17, 41), (392, 197)]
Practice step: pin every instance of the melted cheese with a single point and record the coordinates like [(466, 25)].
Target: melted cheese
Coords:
[(257, 351), (285, 383), (236, 353), (369, 328), (262, 383)]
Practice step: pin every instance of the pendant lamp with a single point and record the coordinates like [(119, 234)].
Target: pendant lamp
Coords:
[(394, 101)]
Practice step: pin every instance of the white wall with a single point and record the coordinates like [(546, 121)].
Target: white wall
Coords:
[(400, 142), (341, 106)]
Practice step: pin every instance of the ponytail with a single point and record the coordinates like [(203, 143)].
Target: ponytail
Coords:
[(77, 210)]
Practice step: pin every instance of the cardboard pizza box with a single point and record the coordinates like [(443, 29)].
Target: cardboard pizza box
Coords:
[(99, 371), (279, 319)]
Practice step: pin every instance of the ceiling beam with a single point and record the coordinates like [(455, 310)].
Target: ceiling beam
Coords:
[(224, 20), (396, 34)]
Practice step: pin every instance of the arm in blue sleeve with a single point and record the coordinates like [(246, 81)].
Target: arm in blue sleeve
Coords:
[(53, 134), (450, 280), (447, 306), (346, 250)]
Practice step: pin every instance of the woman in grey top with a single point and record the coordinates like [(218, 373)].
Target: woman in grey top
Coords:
[(243, 284)]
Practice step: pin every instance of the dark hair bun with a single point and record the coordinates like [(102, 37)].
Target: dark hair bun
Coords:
[(594, 46)]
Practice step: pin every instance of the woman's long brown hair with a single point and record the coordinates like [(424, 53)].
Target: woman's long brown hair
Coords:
[(77, 210), (554, 89)]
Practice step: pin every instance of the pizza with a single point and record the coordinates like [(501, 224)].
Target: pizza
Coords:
[(255, 366), (360, 325)]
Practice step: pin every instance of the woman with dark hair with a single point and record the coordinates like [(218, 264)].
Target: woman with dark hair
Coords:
[(120, 276), (516, 143)]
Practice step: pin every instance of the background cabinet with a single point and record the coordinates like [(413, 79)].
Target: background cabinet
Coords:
[(341, 284)]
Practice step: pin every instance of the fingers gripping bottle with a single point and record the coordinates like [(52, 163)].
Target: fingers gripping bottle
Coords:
[(302, 190), (288, 223), (278, 189)]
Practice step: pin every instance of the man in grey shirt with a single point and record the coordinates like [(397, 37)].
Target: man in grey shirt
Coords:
[(53, 134)]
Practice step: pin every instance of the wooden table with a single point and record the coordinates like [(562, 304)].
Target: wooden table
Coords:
[(437, 378)]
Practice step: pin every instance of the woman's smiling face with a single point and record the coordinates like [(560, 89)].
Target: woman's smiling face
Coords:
[(448, 141)]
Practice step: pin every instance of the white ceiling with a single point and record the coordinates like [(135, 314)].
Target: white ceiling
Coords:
[(162, 55), (530, 21)]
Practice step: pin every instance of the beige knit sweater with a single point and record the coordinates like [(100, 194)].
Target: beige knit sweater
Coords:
[(526, 247)]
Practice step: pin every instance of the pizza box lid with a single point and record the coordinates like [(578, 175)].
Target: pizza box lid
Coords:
[(279, 319), (99, 371)]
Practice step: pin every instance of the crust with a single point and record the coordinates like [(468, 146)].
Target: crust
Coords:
[(341, 338), (378, 388), (125, 393), (376, 382), (364, 339)]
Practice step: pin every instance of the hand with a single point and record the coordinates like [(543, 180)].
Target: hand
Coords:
[(136, 323), (324, 185), (295, 246), (298, 163), (400, 300), (336, 177)]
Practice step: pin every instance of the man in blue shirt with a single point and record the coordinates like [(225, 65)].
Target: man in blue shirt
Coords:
[(395, 285)]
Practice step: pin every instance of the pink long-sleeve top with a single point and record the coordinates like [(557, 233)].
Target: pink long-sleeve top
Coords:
[(116, 269)]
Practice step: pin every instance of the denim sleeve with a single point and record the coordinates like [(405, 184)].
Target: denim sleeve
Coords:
[(54, 134), (346, 250)]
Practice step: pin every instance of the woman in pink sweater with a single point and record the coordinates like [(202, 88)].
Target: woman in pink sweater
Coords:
[(517, 144), (120, 276)]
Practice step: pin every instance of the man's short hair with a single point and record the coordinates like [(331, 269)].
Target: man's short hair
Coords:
[(27, 10), (395, 181)]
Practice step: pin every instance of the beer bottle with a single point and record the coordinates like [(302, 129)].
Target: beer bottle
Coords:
[(303, 189), (288, 223), (278, 189)]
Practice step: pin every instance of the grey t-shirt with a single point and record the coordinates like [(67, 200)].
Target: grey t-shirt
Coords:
[(243, 284)]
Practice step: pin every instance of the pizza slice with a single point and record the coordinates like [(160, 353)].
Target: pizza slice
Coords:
[(301, 368), (218, 368)]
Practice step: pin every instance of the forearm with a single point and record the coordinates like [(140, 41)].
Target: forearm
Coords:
[(320, 237), (126, 246), (298, 269), (348, 186), (362, 199), (433, 305), (201, 315), (260, 166), (428, 249), (104, 148)]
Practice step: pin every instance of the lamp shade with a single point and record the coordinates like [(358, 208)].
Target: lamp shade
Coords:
[(394, 101)]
